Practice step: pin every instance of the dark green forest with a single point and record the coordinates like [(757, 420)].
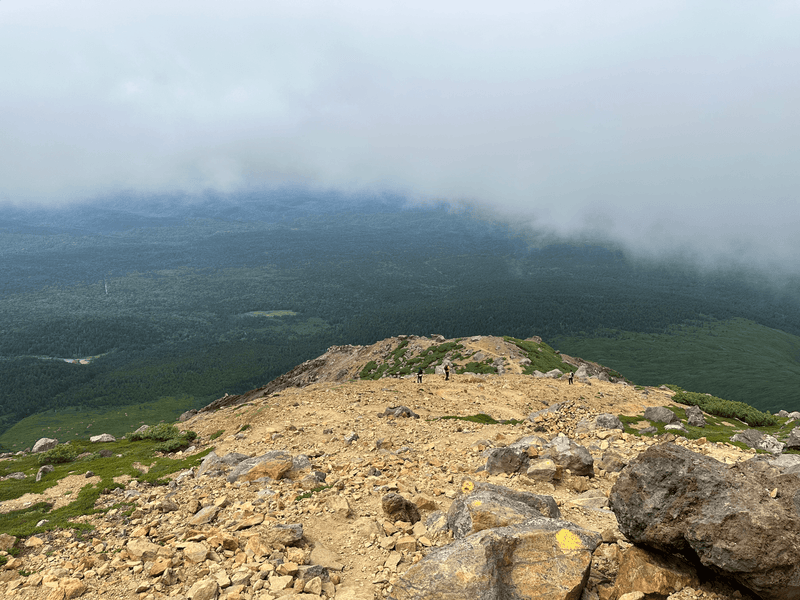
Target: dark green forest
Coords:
[(161, 305)]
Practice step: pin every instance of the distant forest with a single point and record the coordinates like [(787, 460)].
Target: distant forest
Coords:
[(159, 300)]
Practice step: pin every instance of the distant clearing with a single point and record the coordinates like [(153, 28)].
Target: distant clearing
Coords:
[(270, 313)]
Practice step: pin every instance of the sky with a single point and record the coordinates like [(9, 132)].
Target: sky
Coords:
[(670, 128)]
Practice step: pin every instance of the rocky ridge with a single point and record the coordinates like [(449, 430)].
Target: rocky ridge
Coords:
[(313, 492)]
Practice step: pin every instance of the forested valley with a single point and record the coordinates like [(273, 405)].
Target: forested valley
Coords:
[(207, 299)]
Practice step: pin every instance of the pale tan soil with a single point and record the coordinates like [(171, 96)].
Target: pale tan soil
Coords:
[(423, 456), (61, 494)]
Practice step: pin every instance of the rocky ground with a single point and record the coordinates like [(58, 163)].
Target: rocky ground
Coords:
[(268, 537)]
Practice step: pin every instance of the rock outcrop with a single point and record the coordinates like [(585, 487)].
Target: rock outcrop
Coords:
[(723, 518)]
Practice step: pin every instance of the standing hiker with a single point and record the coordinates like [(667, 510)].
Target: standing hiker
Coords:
[(571, 375), (447, 372), (419, 376)]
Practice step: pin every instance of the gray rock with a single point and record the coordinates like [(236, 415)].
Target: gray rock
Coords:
[(245, 468), (678, 501), (399, 411), (569, 455), (608, 421), (660, 414), (695, 417), (484, 505), (755, 439), (793, 441), (399, 509), (505, 460), (44, 470), (611, 462), (187, 415), (18, 475), (44, 444), (103, 437), (553, 409), (520, 561)]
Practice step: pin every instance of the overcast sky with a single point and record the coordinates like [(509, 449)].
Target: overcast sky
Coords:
[(670, 127)]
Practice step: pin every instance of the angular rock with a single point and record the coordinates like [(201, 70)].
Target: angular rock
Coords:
[(142, 550), (611, 462), (543, 469), (755, 439), (44, 444), (569, 455), (399, 411), (103, 437), (505, 460), (44, 470), (7, 542), (399, 509), (653, 573), (205, 589), (274, 464), (608, 421), (286, 534), (695, 417), (204, 515), (484, 505), (541, 558), (660, 414), (678, 501), (793, 441)]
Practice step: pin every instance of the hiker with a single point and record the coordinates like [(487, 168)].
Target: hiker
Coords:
[(571, 375), (419, 376), (447, 372)]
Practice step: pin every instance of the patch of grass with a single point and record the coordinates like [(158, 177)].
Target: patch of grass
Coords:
[(705, 355), (311, 492), (125, 452), (481, 418), (244, 427), (217, 433), (485, 367), (543, 358)]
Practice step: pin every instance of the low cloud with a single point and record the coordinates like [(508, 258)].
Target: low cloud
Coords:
[(669, 128)]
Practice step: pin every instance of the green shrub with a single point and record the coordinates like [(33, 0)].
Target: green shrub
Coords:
[(217, 433), (63, 453), (726, 408)]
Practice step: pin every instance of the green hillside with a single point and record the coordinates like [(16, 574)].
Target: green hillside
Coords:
[(736, 358)]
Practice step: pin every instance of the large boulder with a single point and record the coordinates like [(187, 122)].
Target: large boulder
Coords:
[(275, 464), (540, 558), (793, 441), (103, 437), (398, 508), (660, 414), (44, 444), (484, 505), (724, 517), (608, 421), (695, 417), (569, 455), (755, 439), (653, 573)]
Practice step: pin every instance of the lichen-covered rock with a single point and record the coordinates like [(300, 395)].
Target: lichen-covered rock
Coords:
[(678, 501), (483, 506), (541, 558)]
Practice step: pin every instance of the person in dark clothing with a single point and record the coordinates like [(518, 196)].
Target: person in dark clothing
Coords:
[(419, 376), (571, 375), (447, 372)]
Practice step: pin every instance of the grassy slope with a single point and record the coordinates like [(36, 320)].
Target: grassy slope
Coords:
[(74, 424), (701, 357)]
